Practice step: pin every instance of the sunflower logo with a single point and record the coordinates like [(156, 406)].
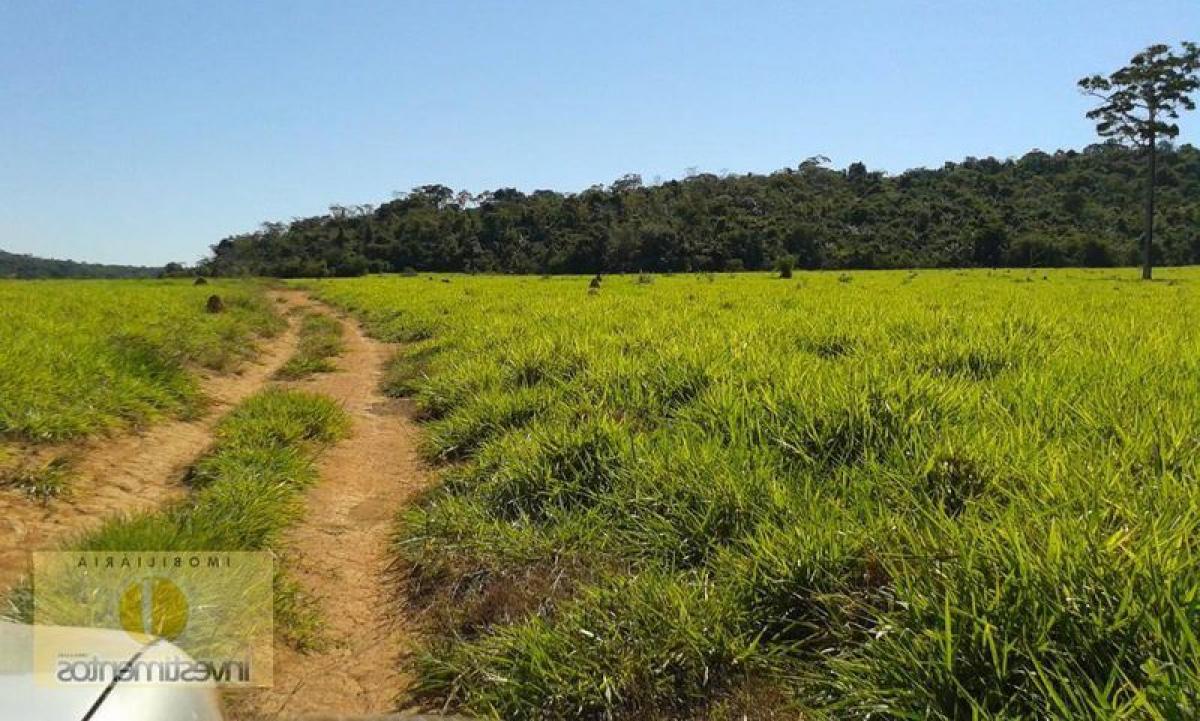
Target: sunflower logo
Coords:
[(153, 608)]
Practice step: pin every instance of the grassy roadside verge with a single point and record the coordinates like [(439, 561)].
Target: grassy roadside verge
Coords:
[(245, 491), (320, 341)]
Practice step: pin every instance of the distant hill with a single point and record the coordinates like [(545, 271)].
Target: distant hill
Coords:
[(14, 265), (1041, 209)]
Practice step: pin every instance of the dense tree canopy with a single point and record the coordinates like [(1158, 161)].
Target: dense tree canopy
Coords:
[(1043, 209)]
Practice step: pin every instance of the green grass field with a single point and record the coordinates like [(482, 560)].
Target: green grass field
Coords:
[(930, 494), (79, 358)]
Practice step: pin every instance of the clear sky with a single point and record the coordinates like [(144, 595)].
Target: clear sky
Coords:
[(143, 132)]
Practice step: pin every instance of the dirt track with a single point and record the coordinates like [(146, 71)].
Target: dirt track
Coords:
[(129, 472), (338, 553)]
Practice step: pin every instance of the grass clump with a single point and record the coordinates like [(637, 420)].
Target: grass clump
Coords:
[(648, 645), (539, 473), (886, 497), (409, 369), (784, 265), (320, 342)]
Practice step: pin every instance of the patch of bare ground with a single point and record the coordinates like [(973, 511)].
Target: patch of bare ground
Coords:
[(339, 554), (129, 472)]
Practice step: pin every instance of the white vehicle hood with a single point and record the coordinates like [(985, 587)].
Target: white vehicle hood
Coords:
[(26, 697)]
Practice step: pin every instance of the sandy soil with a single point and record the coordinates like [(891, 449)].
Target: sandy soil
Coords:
[(339, 553), (129, 472)]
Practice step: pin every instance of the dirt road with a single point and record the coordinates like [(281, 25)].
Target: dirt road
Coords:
[(339, 552)]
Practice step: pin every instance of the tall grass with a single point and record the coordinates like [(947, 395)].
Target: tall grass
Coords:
[(893, 495), (80, 358)]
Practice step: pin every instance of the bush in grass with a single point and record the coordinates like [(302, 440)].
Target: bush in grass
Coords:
[(784, 266)]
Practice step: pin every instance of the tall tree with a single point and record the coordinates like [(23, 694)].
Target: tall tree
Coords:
[(1137, 104)]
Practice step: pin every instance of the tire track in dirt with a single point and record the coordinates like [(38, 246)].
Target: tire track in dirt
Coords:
[(130, 472), (339, 552)]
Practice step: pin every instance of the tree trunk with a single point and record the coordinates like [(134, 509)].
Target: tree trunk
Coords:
[(1148, 235)]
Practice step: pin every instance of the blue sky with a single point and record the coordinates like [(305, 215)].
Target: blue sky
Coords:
[(143, 132)]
